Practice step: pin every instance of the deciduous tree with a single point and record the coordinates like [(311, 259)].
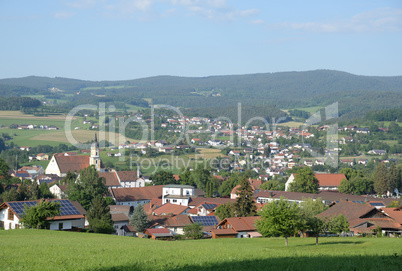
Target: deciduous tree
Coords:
[(280, 218), (304, 181), (37, 216), (193, 231)]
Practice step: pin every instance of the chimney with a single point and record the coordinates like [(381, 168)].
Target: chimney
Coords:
[(138, 171)]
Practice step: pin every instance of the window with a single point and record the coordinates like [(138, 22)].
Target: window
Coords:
[(60, 226), (175, 200), (10, 214)]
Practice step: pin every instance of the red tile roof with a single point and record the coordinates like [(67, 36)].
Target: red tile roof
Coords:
[(72, 163), (394, 213), (110, 177), (224, 232), (241, 223), (169, 208), (127, 176), (137, 193), (329, 179), (158, 230), (170, 221), (119, 217)]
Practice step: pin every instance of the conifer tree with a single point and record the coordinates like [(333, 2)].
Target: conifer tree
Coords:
[(245, 205), (380, 179), (392, 178), (139, 219), (99, 218)]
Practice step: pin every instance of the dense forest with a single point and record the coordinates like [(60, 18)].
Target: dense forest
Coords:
[(16, 103), (355, 94)]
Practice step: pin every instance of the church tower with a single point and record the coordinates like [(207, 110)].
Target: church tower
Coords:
[(94, 159)]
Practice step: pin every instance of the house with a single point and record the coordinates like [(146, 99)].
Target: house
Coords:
[(42, 157), (120, 179), (128, 230), (72, 215), (243, 226), (119, 220), (362, 218), (394, 213), (59, 191), (325, 181), (159, 234), (61, 164), (363, 131), (177, 194), (208, 223), (174, 223), (136, 195), (377, 152), (349, 162), (171, 209), (34, 171)]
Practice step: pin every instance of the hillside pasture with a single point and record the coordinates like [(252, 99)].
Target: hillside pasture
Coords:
[(53, 250)]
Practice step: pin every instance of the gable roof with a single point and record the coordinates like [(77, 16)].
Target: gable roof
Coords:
[(197, 201), (325, 180), (127, 176), (68, 209), (355, 213), (170, 221), (137, 193), (241, 223), (111, 178), (394, 213), (169, 208), (119, 217), (71, 163)]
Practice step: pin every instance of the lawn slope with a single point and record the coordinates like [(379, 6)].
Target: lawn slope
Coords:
[(49, 250)]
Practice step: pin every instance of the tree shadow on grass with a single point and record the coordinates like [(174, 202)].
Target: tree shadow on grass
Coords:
[(330, 243), (359, 262)]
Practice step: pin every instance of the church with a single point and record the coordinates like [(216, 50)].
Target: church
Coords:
[(61, 163)]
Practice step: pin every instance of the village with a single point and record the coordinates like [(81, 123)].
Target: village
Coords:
[(172, 207)]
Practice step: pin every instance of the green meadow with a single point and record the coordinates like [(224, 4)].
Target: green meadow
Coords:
[(51, 250)]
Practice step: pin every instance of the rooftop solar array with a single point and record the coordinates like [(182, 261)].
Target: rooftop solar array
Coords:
[(209, 206), (358, 201), (205, 220), (66, 207), (376, 204), (18, 207)]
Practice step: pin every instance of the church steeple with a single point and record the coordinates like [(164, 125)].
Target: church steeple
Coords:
[(95, 158)]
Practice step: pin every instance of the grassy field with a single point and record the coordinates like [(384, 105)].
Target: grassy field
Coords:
[(208, 153), (50, 250)]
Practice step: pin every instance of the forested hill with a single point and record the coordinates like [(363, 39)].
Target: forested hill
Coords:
[(283, 89)]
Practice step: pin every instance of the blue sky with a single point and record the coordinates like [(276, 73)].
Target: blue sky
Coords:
[(128, 39)]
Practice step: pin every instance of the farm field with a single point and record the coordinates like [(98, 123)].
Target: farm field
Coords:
[(208, 153), (51, 250)]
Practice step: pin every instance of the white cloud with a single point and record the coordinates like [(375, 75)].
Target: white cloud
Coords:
[(63, 14), (210, 9), (379, 20), (259, 21)]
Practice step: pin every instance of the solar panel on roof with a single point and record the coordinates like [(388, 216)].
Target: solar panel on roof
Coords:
[(205, 220), (66, 207), (376, 204), (209, 206), (18, 207)]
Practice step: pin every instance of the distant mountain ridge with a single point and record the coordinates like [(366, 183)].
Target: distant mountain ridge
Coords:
[(283, 89)]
